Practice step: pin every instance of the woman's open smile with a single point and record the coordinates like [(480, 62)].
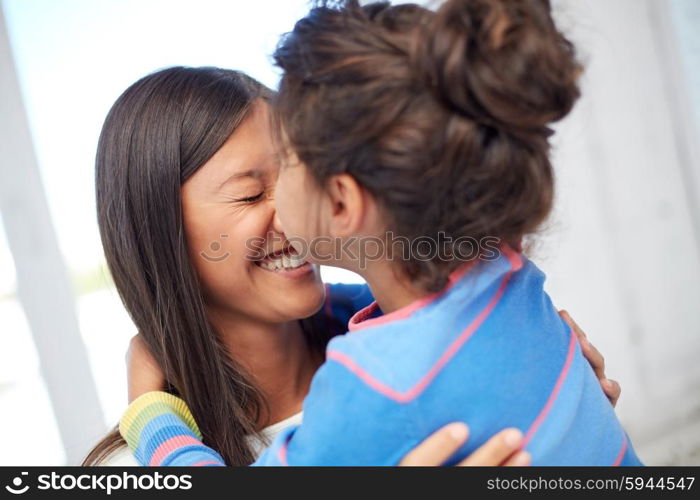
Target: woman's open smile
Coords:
[(287, 263)]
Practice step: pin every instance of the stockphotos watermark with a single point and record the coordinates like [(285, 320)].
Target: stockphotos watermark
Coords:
[(105, 483), (363, 250)]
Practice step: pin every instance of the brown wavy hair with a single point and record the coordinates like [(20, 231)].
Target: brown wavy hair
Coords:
[(443, 116)]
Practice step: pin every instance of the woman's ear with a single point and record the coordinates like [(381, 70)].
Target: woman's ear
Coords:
[(349, 205)]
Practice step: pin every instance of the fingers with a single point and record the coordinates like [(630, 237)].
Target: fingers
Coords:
[(519, 459), (594, 357), (440, 446), (499, 450), (574, 326), (611, 389), (567, 317)]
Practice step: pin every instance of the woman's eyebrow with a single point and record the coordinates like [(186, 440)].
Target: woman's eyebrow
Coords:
[(255, 174)]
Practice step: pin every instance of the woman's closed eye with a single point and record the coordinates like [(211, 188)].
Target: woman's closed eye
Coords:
[(250, 199)]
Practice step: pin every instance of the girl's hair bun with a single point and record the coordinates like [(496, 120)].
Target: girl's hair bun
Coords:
[(500, 62)]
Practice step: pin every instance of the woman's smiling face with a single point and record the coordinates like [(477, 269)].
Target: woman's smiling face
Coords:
[(238, 249)]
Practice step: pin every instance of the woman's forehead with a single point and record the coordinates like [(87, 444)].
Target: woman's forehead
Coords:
[(248, 154)]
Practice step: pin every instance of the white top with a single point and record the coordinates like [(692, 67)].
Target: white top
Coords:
[(123, 457), (270, 433)]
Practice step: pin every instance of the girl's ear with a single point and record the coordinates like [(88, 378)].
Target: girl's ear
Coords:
[(349, 206)]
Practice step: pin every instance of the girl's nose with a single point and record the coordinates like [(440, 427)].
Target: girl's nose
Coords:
[(276, 224)]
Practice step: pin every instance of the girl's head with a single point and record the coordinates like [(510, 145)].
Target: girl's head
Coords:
[(185, 173), (439, 121)]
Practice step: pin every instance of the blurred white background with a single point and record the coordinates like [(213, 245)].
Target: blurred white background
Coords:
[(622, 249)]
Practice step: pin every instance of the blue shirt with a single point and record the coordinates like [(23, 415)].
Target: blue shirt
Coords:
[(491, 350)]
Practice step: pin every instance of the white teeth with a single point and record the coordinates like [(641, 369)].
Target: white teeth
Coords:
[(283, 262), (296, 261)]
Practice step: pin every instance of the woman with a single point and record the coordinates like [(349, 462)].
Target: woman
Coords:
[(185, 176)]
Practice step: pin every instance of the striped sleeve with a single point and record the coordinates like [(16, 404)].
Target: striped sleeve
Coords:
[(161, 431)]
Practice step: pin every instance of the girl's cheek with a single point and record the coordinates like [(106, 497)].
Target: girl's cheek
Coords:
[(283, 205)]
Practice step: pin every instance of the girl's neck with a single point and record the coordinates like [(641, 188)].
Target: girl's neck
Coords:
[(391, 288), (276, 356)]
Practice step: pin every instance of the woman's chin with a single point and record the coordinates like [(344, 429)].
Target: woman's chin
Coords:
[(298, 292)]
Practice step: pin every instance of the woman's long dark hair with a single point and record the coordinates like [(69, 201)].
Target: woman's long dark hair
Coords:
[(157, 134)]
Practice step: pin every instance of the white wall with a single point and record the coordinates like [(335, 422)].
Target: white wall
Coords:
[(622, 250), (43, 287)]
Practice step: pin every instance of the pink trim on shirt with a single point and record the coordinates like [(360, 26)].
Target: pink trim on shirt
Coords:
[(282, 454), (555, 392), (171, 445), (621, 455), (360, 321), (412, 393), (205, 463)]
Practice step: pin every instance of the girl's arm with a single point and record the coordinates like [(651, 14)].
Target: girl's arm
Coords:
[(161, 431)]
